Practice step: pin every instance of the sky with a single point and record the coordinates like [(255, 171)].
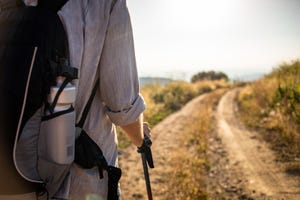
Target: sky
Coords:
[(178, 38)]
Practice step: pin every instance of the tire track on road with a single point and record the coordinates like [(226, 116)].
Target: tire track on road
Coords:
[(252, 155)]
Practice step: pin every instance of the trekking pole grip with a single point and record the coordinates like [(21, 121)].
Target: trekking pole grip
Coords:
[(146, 149)]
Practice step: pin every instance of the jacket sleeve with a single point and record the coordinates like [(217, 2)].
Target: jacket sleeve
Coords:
[(119, 83)]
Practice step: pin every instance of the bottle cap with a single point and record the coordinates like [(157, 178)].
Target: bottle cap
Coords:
[(67, 96)]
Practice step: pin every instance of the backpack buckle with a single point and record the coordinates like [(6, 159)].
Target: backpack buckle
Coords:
[(65, 70), (68, 71)]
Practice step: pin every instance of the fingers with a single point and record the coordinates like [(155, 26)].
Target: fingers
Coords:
[(147, 130), (147, 149)]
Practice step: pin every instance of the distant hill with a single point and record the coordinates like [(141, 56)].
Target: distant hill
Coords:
[(154, 80), (249, 77)]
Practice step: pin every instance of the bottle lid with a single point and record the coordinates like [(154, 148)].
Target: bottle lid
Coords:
[(67, 96)]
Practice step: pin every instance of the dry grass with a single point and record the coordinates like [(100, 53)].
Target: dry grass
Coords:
[(212, 85), (155, 111), (187, 180), (271, 105), (162, 100)]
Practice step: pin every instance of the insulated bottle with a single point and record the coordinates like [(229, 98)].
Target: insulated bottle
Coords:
[(59, 126)]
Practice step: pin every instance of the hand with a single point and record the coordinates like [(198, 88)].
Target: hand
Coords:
[(146, 149), (146, 129)]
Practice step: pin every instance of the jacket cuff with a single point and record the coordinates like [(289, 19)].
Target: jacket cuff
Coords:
[(129, 115)]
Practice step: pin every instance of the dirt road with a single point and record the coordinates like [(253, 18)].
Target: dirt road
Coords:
[(165, 137), (251, 165), (241, 164)]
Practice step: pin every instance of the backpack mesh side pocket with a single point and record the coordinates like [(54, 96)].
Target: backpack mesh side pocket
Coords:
[(56, 148)]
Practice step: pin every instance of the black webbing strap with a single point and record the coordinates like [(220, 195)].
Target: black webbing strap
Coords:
[(54, 5), (88, 106), (61, 68), (61, 88)]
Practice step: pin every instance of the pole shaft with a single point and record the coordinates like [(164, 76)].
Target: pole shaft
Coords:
[(147, 178)]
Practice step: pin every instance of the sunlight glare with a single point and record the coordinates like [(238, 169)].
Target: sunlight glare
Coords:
[(203, 14)]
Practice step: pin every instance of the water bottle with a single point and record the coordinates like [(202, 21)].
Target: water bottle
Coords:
[(59, 128), (66, 98)]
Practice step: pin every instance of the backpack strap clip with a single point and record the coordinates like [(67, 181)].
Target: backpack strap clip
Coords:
[(63, 69), (68, 71)]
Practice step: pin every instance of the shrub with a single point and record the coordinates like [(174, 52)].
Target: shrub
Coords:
[(175, 95), (272, 104), (210, 75), (287, 95), (163, 100)]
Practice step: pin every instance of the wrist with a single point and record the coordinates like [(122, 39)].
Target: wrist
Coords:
[(140, 144)]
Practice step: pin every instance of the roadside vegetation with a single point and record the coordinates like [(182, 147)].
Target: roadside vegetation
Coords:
[(271, 105), (164, 99), (187, 181)]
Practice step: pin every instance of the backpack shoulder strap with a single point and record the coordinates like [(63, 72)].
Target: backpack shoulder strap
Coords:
[(54, 5), (88, 106)]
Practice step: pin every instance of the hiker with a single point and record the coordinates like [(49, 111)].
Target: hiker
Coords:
[(101, 47), (101, 44)]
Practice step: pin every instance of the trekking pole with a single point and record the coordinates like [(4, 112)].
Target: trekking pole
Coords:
[(147, 178), (146, 154)]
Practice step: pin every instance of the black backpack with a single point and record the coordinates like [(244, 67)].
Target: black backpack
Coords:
[(35, 138), (33, 53)]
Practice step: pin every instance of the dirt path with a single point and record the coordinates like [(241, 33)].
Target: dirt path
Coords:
[(241, 165), (164, 136), (250, 170)]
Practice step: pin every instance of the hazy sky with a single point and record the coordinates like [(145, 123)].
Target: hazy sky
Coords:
[(177, 38)]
